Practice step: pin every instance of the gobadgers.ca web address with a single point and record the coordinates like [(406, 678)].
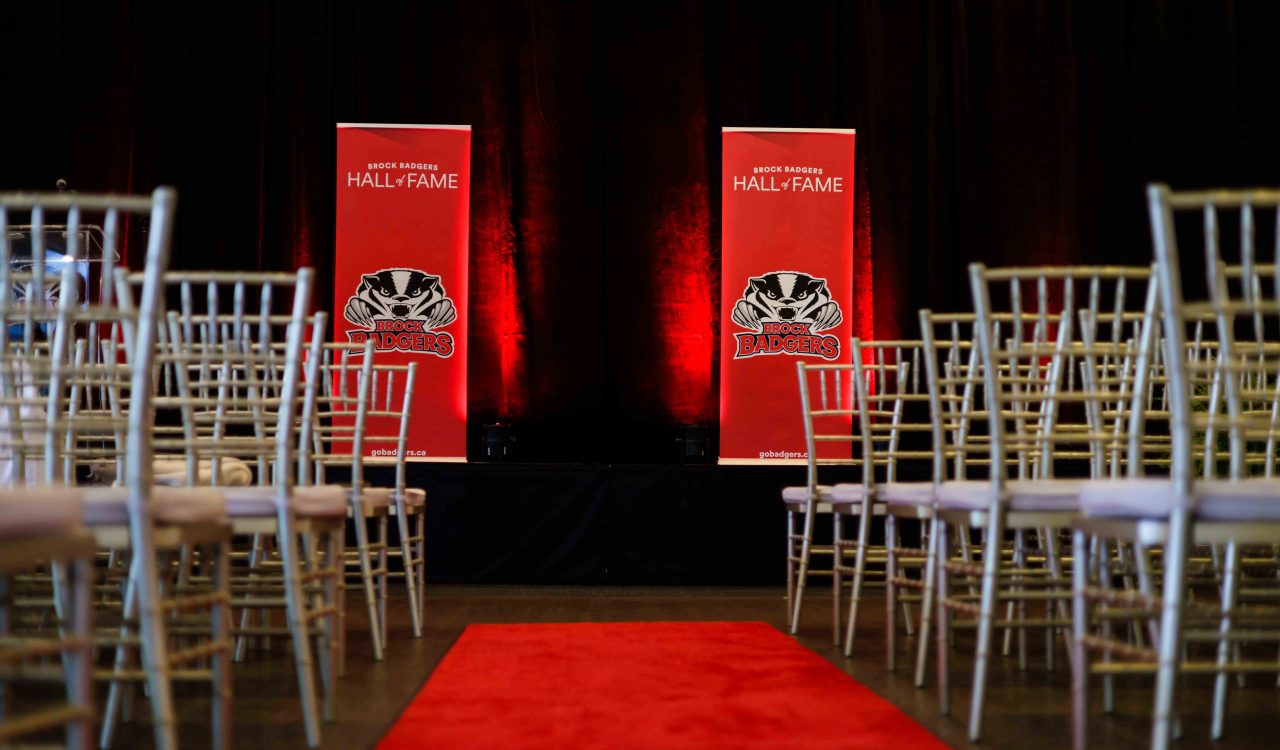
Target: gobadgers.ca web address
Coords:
[(784, 454)]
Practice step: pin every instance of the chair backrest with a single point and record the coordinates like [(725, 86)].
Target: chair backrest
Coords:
[(876, 406), (238, 393), (1121, 378), (353, 402), (340, 377), (384, 424), (1040, 407), (1241, 294), (828, 404), (892, 409), (953, 376), (97, 353)]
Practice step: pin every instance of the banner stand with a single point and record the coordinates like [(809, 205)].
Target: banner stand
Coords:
[(400, 267), (787, 281)]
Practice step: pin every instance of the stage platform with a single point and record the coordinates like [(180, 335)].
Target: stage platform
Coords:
[(603, 524)]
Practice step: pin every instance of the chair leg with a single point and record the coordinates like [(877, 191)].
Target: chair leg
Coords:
[(806, 546), (859, 572), (791, 562), (1053, 552), (1017, 609), (944, 622), (1169, 651), (1102, 554), (891, 592), (316, 601), (296, 611), (221, 633), (366, 578), (933, 555), (255, 559), (1230, 587), (408, 563), (155, 653), (62, 580), (384, 573), (80, 675), (991, 559), (117, 689), (6, 620), (1079, 628), (420, 532), (837, 576), (335, 623), (342, 613), (1146, 586)]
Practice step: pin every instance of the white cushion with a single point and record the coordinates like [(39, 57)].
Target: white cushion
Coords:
[(1037, 495), (372, 497), (38, 511), (171, 471), (109, 506), (845, 494), (1215, 500), (801, 494), (315, 501), (232, 472), (905, 493)]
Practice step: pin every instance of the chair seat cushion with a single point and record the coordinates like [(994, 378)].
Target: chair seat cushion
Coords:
[(1036, 495), (171, 471), (38, 511), (232, 472), (1215, 500), (109, 506), (414, 497), (844, 494), (800, 494), (372, 498), (315, 501), (905, 493)]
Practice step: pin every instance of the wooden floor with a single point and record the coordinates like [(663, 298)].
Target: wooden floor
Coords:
[(1026, 709)]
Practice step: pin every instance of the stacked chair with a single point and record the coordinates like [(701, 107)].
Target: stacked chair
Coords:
[(165, 452), (829, 400), (867, 418), (1040, 446), (361, 403), (1214, 511), (1102, 448), (75, 377), (241, 398), (893, 428)]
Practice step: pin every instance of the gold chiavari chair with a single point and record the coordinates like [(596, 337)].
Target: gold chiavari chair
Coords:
[(892, 421), (827, 400), (1223, 394), (240, 396), (958, 427), (40, 527), (1041, 446), (362, 419), (334, 437), (55, 354)]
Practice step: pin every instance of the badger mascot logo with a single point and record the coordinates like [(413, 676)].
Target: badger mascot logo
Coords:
[(785, 310), (401, 308)]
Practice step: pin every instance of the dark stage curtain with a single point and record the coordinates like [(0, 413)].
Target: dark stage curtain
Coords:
[(1007, 132)]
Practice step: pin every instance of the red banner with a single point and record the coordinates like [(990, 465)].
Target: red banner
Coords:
[(400, 272), (787, 283)]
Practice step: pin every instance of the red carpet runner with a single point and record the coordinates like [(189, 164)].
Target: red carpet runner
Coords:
[(645, 685)]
